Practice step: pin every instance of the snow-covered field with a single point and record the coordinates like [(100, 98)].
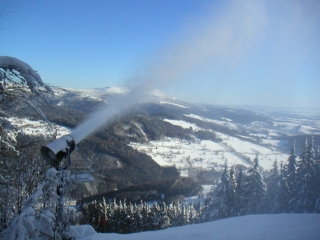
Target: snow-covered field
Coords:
[(251, 227), (184, 154), (206, 154)]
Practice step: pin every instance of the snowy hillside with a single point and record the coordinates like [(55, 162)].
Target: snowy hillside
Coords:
[(260, 133), (242, 133), (251, 227), (96, 94), (34, 128), (208, 154)]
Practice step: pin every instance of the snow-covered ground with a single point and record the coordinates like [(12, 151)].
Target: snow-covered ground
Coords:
[(31, 127), (184, 154), (251, 227), (267, 155), (196, 199), (184, 124), (174, 104), (226, 121), (206, 154)]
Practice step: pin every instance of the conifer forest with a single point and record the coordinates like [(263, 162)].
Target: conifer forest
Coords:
[(290, 187)]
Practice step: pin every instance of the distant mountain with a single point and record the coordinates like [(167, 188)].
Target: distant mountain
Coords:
[(166, 137)]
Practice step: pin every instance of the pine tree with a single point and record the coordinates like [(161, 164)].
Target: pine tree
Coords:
[(158, 218), (181, 215), (135, 223), (145, 226), (291, 178), (128, 218), (317, 174), (113, 216), (165, 221), (272, 198), (254, 190), (121, 219), (220, 201), (239, 195), (233, 183), (172, 212), (305, 198), (109, 216), (283, 191), (193, 215)]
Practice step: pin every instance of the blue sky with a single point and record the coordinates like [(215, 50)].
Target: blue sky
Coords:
[(253, 52)]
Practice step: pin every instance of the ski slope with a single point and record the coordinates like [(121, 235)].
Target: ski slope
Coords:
[(251, 227)]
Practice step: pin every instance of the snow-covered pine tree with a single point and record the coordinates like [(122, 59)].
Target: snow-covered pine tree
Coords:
[(283, 191), (109, 214), (112, 215), (157, 218), (119, 218), (233, 183), (137, 220), (38, 221), (164, 221), (172, 213), (254, 190), (220, 201), (193, 214), (305, 198), (144, 211), (291, 178), (182, 218), (238, 208), (126, 216), (272, 200)]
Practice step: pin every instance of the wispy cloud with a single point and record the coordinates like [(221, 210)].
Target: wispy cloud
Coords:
[(218, 36)]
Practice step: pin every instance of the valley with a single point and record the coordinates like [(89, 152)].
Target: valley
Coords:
[(163, 132)]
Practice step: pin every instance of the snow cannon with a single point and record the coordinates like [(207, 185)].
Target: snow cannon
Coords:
[(57, 150)]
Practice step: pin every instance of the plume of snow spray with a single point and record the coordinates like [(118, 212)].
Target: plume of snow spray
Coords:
[(214, 39), (116, 106)]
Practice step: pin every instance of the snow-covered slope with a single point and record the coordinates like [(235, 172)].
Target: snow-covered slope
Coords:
[(31, 127), (95, 94), (243, 133), (251, 227), (204, 154)]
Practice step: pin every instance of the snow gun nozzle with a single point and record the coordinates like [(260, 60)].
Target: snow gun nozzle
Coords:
[(57, 150)]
